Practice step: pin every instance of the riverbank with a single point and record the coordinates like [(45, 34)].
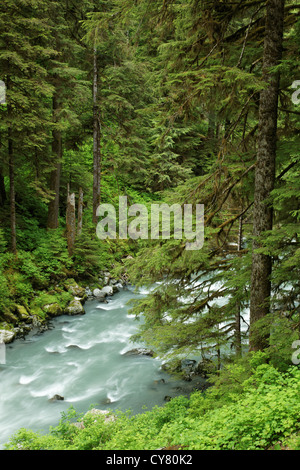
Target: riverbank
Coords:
[(83, 361), (66, 297), (253, 407)]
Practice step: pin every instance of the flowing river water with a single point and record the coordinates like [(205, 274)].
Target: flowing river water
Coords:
[(82, 359)]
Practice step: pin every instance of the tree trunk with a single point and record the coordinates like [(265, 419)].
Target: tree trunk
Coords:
[(2, 189), (53, 207), (11, 169), (12, 194), (80, 212), (71, 222), (265, 170), (96, 143), (237, 332)]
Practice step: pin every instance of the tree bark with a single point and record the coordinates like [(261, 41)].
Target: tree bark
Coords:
[(265, 170), (2, 189), (96, 143), (237, 331), (12, 194), (53, 207), (11, 167)]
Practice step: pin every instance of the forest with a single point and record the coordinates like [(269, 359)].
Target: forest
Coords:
[(164, 102)]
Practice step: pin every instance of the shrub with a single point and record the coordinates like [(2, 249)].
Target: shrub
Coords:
[(52, 255)]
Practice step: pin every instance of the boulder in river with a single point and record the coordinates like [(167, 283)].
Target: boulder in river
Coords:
[(99, 294), (9, 317), (7, 336), (56, 398), (139, 352), (22, 313), (119, 285), (53, 310), (108, 290), (74, 289), (88, 293), (75, 308)]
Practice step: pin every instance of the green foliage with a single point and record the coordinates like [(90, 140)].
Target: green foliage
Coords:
[(4, 292), (3, 242), (90, 255), (178, 91), (52, 255), (60, 297), (261, 413)]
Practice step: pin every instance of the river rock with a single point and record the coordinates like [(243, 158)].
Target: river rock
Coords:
[(159, 381), (88, 292), (75, 289), (108, 290), (53, 310), (99, 294), (119, 285), (7, 336), (56, 398), (22, 313), (10, 317), (105, 277), (75, 308), (139, 352)]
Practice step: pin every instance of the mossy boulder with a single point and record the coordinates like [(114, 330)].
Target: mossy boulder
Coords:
[(50, 304), (75, 308), (22, 313), (9, 317), (53, 310), (73, 288)]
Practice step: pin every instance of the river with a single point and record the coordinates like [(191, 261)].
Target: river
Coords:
[(82, 359)]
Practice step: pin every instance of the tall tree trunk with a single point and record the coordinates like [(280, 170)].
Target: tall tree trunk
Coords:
[(13, 223), (11, 166), (53, 207), (265, 170), (2, 188), (96, 143), (237, 331)]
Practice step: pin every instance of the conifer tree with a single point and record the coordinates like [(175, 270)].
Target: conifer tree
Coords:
[(202, 303), (67, 82), (265, 166), (24, 120)]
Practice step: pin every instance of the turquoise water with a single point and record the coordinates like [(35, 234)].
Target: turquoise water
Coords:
[(80, 358)]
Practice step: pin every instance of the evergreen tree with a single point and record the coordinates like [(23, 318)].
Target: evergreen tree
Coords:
[(265, 167), (25, 119), (203, 299)]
